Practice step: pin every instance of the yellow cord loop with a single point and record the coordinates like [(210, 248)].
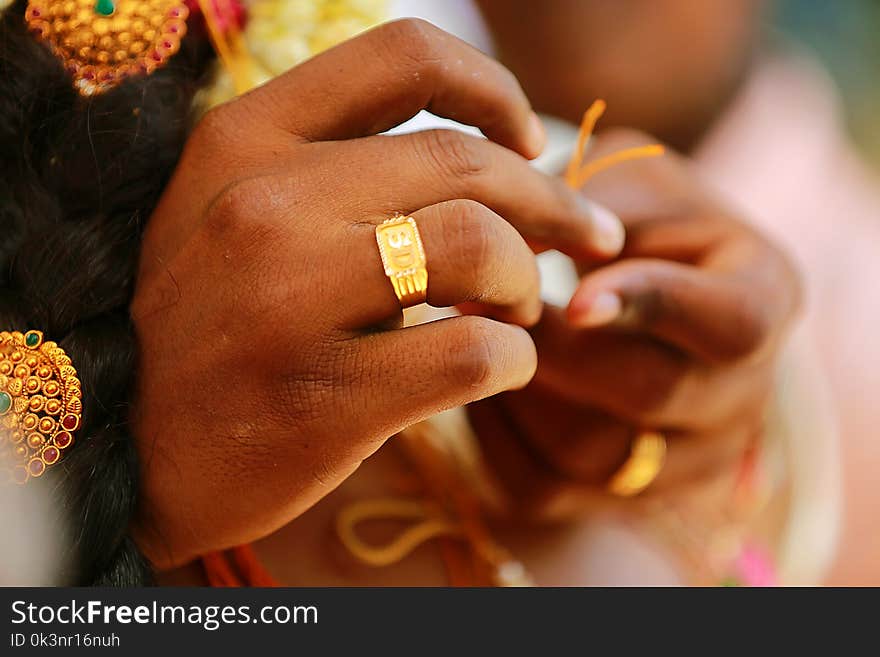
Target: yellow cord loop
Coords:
[(390, 509)]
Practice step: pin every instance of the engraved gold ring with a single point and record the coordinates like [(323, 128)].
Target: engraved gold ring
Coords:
[(403, 258)]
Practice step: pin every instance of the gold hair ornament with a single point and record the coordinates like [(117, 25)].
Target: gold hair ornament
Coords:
[(40, 403), (101, 42)]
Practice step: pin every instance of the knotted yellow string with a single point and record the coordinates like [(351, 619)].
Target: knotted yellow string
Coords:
[(390, 509)]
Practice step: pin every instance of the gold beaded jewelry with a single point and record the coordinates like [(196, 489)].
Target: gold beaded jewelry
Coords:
[(40, 403), (101, 42)]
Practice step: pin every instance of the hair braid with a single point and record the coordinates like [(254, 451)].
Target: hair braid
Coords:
[(79, 177)]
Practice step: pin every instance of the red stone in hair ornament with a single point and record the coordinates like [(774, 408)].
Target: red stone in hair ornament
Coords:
[(40, 404)]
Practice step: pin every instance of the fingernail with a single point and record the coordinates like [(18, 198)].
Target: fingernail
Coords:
[(604, 309), (537, 135), (610, 233)]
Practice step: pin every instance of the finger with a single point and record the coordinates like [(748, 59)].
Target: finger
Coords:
[(536, 485), (713, 316), (411, 171), (387, 75), (409, 374), (632, 377), (588, 445), (528, 486), (472, 255), (580, 442), (642, 380)]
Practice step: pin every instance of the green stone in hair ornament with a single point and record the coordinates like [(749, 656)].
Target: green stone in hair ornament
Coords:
[(103, 42), (40, 404)]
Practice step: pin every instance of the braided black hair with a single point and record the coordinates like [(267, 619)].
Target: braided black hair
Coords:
[(79, 177)]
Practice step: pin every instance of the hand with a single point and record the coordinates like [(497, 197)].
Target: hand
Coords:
[(679, 334), (272, 361)]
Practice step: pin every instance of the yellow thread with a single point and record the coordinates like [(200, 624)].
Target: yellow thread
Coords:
[(588, 124), (590, 169), (576, 177), (404, 543)]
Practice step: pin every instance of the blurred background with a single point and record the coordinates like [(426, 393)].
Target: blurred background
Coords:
[(845, 35)]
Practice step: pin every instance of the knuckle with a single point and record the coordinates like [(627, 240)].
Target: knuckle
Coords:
[(238, 212), (474, 236), (227, 211), (475, 360), (408, 31), (491, 261), (413, 39), (455, 154), (247, 242), (479, 257)]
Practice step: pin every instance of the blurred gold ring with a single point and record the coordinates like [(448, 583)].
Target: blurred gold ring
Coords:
[(646, 459), (403, 258)]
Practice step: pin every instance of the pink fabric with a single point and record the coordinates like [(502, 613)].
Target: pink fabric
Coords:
[(782, 155), (755, 567)]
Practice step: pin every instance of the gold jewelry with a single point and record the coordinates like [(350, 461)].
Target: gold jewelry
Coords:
[(403, 257), (101, 42), (646, 459), (40, 403)]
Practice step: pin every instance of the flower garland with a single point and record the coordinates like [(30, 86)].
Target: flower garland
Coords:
[(276, 35)]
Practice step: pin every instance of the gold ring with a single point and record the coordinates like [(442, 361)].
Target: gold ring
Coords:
[(645, 461), (403, 257)]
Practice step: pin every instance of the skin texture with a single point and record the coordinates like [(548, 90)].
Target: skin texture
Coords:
[(271, 356), (703, 303)]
